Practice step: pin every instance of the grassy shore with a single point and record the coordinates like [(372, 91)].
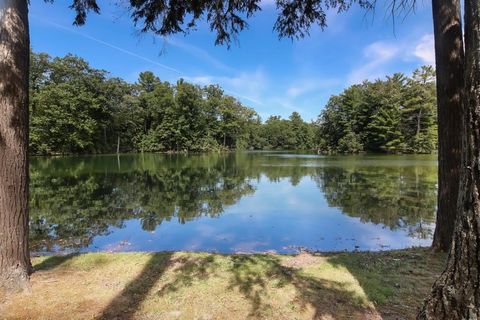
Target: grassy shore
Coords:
[(384, 285)]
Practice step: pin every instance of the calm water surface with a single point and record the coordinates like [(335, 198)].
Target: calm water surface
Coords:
[(243, 202)]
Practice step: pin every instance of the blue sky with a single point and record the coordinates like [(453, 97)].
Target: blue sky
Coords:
[(275, 77)]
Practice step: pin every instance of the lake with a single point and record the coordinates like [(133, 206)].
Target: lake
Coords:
[(238, 202)]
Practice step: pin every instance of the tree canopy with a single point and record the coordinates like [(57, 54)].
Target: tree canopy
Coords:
[(396, 115), (225, 17), (75, 108)]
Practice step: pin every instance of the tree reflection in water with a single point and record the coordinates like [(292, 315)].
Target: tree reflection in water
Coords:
[(75, 199)]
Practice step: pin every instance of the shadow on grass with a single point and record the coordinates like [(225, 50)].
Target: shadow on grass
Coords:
[(395, 281), (256, 276), (53, 262), (324, 297), (129, 300), (187, 270)]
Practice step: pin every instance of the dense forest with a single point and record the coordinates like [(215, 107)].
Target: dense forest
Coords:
[(395, 115), (75, 108), (78, 109)]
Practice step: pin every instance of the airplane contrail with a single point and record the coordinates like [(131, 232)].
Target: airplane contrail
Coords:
[(131, 53)]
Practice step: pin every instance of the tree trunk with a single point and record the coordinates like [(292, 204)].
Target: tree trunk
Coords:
[(456, 294), (15, 264), (449, 67), (118, 144)]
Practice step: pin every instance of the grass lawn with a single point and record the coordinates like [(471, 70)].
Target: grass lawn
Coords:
[(384, 285)]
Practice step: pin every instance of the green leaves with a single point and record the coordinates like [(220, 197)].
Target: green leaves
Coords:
[(291, 134), (226, 18), (70, 106), (393, 115), (77, 109)]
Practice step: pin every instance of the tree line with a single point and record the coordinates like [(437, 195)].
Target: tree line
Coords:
[(395, 115), (75, 108)]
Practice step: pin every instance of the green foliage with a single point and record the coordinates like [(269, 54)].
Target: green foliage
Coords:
[(350, 143), (420, 113), (225, 18), (394, 196), (291, 134), (395, 115), (77, 109), (68, 105)]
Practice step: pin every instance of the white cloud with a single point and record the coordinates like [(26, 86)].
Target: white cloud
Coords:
[(380, 51), (295, 91), (377, 55), (425, 49), (310, 85), (244, 85), (201, 80)]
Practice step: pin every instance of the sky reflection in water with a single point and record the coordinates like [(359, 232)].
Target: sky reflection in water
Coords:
[(244, 202)]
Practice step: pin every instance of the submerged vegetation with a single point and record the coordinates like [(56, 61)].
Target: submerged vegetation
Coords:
[(387, 285), (75, 108)]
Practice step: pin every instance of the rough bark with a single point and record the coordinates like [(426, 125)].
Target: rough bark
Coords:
[(449, 56), (456, 294), (15, 264)]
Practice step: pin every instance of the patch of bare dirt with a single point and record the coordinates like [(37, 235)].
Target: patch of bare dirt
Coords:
[(302, 260)]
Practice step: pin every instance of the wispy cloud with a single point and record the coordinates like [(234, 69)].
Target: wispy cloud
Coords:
[(107, 44), (376, 56), (243, 82), (200, 54), (286, 104), (381, 58), (308, 85), (227, 84), (425, 49), (250, 84)]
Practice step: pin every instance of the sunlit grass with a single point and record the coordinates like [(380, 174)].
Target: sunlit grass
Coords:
[(214, 286)]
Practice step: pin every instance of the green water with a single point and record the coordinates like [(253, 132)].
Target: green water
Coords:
[(243, 202)]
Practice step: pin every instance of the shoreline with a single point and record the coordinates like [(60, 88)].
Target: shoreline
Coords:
[(273, 252)]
